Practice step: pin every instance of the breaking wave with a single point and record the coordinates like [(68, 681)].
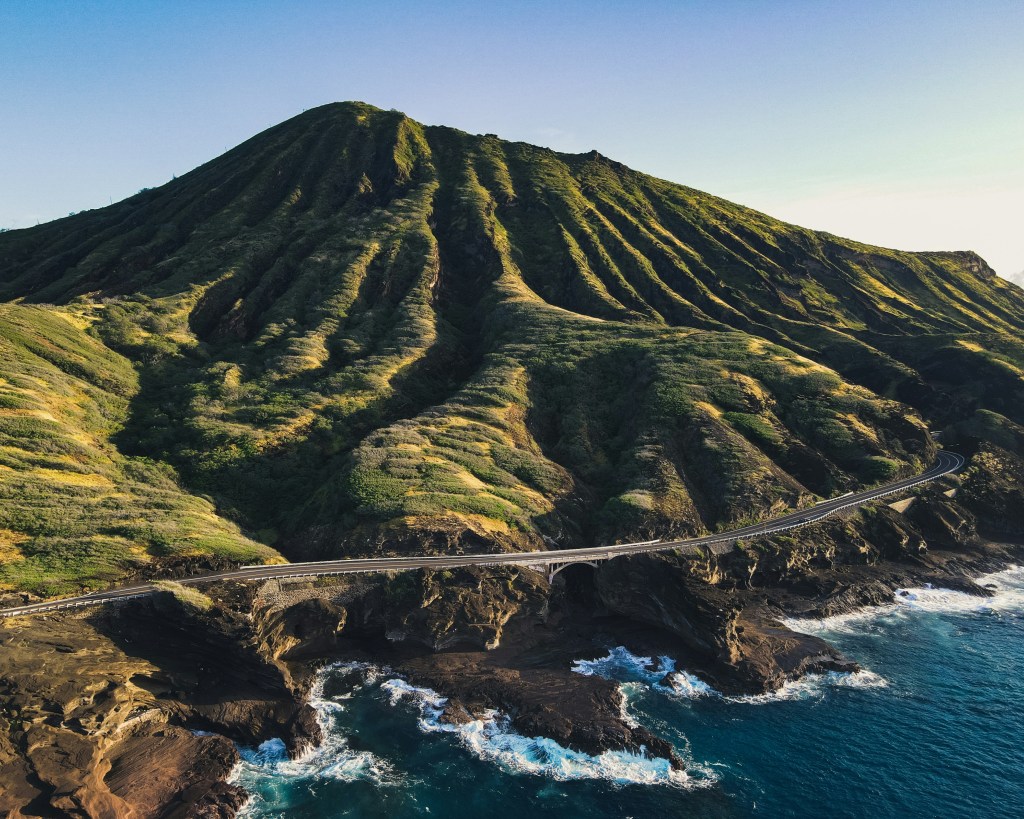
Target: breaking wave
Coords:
[(815, 686), (1007, 587), (662, 676), (659, 673), (489, 737), (268, 769), (332, 759), (410, 771)]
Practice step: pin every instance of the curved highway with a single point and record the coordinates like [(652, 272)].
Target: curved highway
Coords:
[(718, 543)]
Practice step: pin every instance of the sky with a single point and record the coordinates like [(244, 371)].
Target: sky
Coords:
[(899, 123)]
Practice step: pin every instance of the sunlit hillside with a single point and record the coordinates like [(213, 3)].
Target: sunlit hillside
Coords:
[(354, 334)]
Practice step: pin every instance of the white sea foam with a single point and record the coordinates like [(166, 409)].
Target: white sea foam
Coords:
[(620, 659), (814, 686), (1007, 587), (332, 759), (841, 623), (1008, 595), (660, 673), (624, 712), (662, 676), (690, 686), (490, 737)]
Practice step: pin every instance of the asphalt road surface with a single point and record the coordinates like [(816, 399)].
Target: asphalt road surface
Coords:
[(718, 543)]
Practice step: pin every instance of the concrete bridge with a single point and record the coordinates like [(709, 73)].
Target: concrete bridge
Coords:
[(549, 562)]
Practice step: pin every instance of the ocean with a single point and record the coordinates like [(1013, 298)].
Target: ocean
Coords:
[(932, 727)]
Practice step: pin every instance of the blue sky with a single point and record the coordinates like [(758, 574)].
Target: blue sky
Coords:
[(899, 123)]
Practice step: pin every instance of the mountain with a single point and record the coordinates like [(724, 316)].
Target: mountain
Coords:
[(355, 334)]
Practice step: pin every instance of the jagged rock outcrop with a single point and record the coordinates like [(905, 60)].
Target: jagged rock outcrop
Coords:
[(93, 731), (745, 649), (993, 488), (462, 607), (100, 712), (358, 335)]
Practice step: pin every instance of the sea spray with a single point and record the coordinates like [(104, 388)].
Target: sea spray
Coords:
[(331, 759), (490, 737), (814, 686), (1007, 587), (267, 772), (661, 675), (941, 740)]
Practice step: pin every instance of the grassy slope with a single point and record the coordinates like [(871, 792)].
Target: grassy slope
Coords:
[(360, 334), (73, 511)]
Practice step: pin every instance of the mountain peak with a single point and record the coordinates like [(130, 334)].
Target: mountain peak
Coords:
[(355, 330)]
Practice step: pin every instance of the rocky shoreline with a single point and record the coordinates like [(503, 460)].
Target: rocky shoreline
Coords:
[(136, 710)]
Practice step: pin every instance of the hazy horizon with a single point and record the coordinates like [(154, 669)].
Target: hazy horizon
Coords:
[(892, 126)]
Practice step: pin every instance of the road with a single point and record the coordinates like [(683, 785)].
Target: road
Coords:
[(549, 561)]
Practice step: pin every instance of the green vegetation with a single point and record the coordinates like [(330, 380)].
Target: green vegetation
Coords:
[(186, 595), (354, 333), (74, 512)]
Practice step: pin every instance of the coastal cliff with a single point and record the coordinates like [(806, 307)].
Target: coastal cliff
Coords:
[(137, 710), (358, 336)]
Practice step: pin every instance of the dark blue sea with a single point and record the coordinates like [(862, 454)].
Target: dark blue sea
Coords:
[(933, 727)]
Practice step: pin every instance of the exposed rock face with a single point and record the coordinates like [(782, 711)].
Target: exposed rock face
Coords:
[(994, 490), (974, 263), (100, 711), (308, 628), (213, 663), (542, 698), (393, 338), (90, 733), (727, 608), (173, 772), (465, 606), (747, 649)]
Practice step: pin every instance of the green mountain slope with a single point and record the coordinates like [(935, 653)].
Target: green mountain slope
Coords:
[(73, 510), (357, 334)]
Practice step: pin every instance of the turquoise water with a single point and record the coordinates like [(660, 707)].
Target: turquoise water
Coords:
[(933, 727)]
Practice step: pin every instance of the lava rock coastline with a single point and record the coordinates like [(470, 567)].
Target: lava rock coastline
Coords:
[(137, 710)]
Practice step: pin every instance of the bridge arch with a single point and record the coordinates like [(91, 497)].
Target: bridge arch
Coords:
[(555, 568)]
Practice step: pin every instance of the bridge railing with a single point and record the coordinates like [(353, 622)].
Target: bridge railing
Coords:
[(527, 559)]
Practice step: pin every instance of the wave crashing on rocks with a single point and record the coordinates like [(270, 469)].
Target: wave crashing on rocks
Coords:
[(661, 675), (269, 769), (1006, 586)]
